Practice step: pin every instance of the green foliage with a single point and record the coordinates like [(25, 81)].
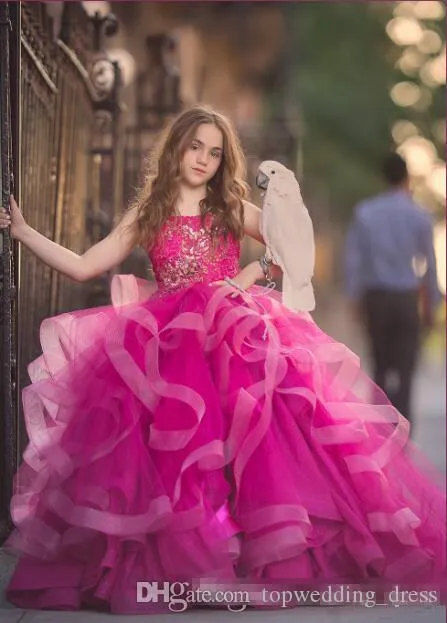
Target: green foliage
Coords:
[(341, 69)]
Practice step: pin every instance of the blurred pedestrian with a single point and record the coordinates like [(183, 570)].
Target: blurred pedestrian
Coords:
[(389, 240)]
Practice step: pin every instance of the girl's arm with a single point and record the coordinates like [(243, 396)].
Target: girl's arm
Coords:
[(252, 222), (100, 258)]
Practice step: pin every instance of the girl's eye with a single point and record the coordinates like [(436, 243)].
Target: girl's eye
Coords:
[(194, 146), (215, 154)]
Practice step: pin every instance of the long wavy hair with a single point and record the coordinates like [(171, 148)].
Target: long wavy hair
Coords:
[(157, 198)]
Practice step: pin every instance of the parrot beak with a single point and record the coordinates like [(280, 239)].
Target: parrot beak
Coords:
[(262, 181)]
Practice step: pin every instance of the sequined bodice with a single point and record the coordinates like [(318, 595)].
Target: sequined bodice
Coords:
[(184, 254)]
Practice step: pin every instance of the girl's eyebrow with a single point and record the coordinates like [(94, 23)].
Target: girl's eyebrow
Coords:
[(203, 144)]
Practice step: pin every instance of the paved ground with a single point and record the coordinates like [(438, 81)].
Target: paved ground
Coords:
[(429, 433)]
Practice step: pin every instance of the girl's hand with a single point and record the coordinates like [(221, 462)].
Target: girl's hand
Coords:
[(14, 219), (246, 278)]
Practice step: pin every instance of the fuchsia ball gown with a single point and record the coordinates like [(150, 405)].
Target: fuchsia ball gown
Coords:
[(192, 434)]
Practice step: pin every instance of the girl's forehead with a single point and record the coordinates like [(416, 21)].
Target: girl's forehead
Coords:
[(209, 135)]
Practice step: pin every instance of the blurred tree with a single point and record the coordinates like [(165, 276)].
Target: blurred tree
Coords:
[(342, 67)]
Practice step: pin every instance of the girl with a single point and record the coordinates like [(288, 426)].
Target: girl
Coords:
[(204, 431)]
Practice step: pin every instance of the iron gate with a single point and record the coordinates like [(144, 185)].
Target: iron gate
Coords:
[(52, 114)]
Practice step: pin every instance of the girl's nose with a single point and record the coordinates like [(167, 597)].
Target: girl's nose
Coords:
[(202, 158)]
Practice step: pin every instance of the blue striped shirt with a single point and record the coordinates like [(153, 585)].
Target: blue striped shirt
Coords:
[(388, 234)]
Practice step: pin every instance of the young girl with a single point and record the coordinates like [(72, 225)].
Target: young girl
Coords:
[(204, 432)]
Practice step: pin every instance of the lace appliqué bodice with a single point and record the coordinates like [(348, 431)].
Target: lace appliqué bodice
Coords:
[(184, 254)]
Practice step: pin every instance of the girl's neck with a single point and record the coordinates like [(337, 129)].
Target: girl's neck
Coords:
[(189, 200)]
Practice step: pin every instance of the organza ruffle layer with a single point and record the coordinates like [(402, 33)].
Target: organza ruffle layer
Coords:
[(196, 435)]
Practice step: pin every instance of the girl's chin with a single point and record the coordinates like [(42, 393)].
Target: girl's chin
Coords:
[(194, 182)]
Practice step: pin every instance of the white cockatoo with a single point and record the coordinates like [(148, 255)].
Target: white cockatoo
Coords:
[(288, 233)]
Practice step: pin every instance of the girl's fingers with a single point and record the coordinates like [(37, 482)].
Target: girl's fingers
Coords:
[(237, 290), (5, 218)]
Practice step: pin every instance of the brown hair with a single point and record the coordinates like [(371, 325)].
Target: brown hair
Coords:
[(226, 190)]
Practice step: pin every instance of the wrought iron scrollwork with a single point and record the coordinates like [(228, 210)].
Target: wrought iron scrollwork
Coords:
[(103, 71), (58, 101)]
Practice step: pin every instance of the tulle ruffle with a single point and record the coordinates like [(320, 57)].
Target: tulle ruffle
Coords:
[(197, 435)]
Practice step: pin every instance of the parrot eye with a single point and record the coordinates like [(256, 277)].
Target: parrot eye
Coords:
[(272, 172)]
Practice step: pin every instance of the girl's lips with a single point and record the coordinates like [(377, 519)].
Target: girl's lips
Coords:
[(200, 171)]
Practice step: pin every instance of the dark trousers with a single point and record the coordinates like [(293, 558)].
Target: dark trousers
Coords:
[(393, 325)]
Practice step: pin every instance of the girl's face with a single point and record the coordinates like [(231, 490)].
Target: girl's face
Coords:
[(202, 156)]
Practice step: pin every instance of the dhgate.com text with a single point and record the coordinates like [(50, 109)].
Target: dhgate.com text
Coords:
[(178, 596)]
